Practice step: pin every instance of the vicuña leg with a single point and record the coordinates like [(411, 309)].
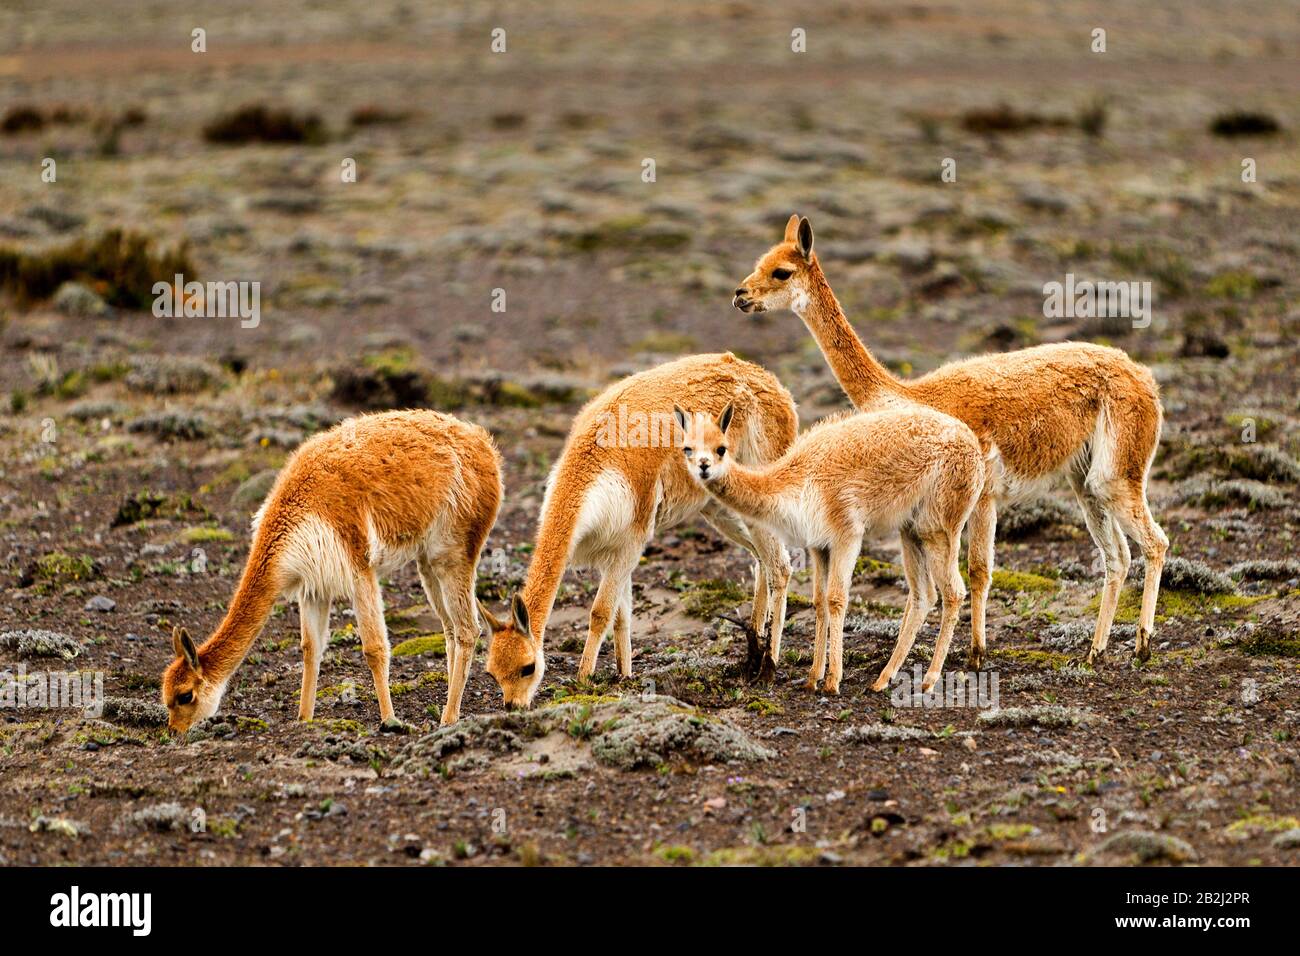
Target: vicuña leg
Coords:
[(821, 563), (433, 591), (623, 630), (314, 615), (1097, 516), (771, 581), (368, 604), (457, 585), (608, 595), (981, 528), (1133, 515), (920, 598), (839, 577), (941, 554)]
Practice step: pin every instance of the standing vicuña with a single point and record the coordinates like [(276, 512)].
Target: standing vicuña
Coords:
[(1085, 411), (914, 470), (351, 504), (618, 479)]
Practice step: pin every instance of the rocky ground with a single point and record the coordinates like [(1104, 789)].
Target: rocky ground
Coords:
[(135, 448)]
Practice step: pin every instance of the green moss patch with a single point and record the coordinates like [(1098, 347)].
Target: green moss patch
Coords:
[(428, 644)]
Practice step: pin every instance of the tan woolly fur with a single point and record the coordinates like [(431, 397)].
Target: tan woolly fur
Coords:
[(1082, 411), (369, 496)]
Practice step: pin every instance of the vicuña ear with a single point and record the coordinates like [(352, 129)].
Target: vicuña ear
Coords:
[(184, 647), (725, 418), (792, 228), (520, 611), (680, 416), (805, 238), (494, 623)]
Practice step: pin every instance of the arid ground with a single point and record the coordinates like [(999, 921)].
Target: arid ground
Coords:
[(135, 447)]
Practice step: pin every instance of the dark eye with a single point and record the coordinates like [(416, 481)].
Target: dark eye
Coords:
[(721, 452), (527, 670), (688, 451), (781, 274), (185, 698)]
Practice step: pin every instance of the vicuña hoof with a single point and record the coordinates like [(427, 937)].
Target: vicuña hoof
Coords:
[(831, 687), (766, 671), (881, 683), (975, 659)]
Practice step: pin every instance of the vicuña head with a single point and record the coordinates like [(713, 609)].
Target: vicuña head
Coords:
[(187, 696), (515, 659), (780, 277), (706, 444)]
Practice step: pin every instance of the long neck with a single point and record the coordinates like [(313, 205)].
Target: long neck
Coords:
[(750, 492), (863, 378), (259, 586), (551, 554)]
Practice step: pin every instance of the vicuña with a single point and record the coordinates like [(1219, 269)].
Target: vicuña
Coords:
[(604, 501), (1084, 411), (912, 470), (358, 501)]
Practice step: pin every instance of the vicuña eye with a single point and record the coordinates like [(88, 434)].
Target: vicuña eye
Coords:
[(527, 670), (185, 698), (721, 452), (689, 452), (782, 274)]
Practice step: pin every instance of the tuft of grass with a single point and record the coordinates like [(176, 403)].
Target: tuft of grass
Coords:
[(428, 644), (258, 123), (1244, 123), (60, 567), (1164, 265), (1270, 638), (205, 534), (1234, 284), (1017, 582), (1173, 603), (119, 265), (709, 598), (1003, 118)]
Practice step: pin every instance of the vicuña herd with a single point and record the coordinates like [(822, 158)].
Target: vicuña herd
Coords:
[(716, 438)]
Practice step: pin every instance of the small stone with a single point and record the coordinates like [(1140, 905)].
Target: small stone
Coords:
[(100, 603)]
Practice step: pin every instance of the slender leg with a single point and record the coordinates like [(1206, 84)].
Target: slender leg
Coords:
[(942, 555), (314, 613), (458, 594), (1134, 516), (608, 595), (983, 524), (623, 630), (821, 562), (1096, 515), (433, 591), (839, 577), (771, 580), (368, 604), (920, 598)]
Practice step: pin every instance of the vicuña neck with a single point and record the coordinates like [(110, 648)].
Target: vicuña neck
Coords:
[(864, 380), (259, 586), (749, 492), (551, 555)]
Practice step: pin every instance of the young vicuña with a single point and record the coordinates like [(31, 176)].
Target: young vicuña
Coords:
[(360, 500), (620, 478), (1085, 411), (914, 470)]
